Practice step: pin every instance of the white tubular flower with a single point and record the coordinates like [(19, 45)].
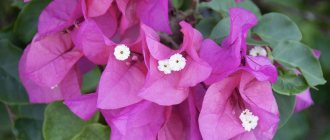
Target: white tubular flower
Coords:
[(121, 52), (249, 121), (164, 66), (245, 113), (177, 62), (258, 51)]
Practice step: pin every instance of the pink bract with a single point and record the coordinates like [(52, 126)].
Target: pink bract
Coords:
[(169, 89), (48, 69), (229, 57), (224, 102)]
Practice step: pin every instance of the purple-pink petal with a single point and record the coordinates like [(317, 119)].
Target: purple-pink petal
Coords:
[(303, 101), (141, 121), (58, 15), (182, 123), (83, 106), (50, 59), (120, 84), (226, 99), (262, 68)]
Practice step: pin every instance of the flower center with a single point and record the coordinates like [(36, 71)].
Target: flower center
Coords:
[(122, 52), (249, 121), (175, 63), (258, 51)]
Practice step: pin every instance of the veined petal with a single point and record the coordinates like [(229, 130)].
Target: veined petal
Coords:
[(49, 60), (120, 84), (59, 14), (141, 121), (83, 106)]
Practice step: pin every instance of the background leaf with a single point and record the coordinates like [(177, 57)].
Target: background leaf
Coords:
[(60, 123), (94, 131), (28, 129), (286, 105), (91, 80), (288, 84), (300, 56), (276, 27), (12, 92), (26, 24), (221, 30), (222, 6)]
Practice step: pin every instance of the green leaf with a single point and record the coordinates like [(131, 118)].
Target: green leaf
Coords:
[(30, 111), (276, 27), (177, 3), (286, 105), (12, 92), (206, 25), (28, 129), (94, 132), (254, 42), (60, 123), (289, 84), (5, 124), (26, 24), (222, 6), (300, 56), (221, 30), (91, 80), (295, 129)]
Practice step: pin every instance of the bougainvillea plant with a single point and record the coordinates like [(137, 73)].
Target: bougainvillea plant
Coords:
[(166, 70)]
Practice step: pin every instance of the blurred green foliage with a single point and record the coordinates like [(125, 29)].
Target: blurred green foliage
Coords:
[(313, 19)]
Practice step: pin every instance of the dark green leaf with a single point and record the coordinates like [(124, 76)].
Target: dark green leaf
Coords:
[(60, 123), (26, 24), (286, 105), (28, 129), (296, 128), (31, 111), (300, 56), (289, 84), (94, 132), (253, 42), (5, 124), (275, 27), (206, 25), (91, 80), (222, 6), (12, 92), (177, 3), (221, 30)]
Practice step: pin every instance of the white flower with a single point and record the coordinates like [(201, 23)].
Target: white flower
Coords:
[(177, 62), (249, 121), (258, 51), (245, 113), (164, 66), (121, 52)]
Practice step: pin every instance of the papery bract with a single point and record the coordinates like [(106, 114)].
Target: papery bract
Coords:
[(182, 122), (83, 106), (48, 69), (120, 84), (233, 51), (140, 121), (169, 89), (303, 101), (58, 15), (225, 100)]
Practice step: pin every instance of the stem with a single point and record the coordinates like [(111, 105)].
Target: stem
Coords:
[(11, 115)]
